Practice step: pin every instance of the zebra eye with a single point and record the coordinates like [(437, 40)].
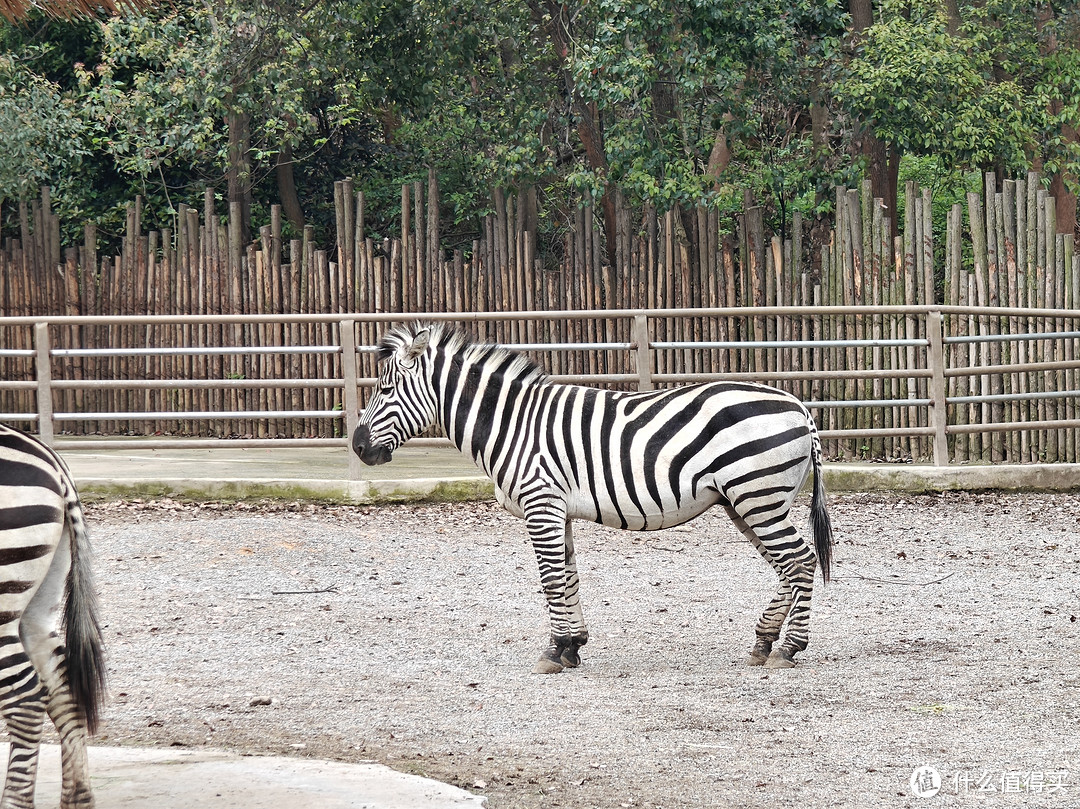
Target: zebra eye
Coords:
[(386, 390)]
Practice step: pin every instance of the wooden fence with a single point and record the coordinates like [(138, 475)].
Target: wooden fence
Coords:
[(1003, 252)]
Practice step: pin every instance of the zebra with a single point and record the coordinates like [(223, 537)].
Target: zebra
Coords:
[(642, 461), (44, 571)]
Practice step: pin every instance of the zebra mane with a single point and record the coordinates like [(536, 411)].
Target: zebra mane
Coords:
[(458, 344)]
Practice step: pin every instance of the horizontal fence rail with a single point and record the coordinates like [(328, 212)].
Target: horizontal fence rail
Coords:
[(891, 383)]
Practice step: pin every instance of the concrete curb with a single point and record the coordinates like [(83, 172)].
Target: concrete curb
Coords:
[(905, 478), (135, 778), (346, 492), (915, 478)]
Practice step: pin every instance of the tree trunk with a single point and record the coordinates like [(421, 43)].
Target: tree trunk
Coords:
[(1060, 181), (592, 140), (719, 155), (552, 15), (1066, 199), (882, 163), (952, 17), (239, 169), (666, 110), (286, 183), (862, 15), (822, 223), (883, 170)]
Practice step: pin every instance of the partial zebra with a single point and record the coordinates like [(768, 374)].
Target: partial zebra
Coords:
[(44, 565), (630, 460)]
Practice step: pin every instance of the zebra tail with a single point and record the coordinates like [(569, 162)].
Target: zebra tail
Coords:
[(819, 516), (82, 631)]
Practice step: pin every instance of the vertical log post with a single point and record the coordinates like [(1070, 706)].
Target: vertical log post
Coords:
[(938, 411), (43, 366), (642, 355), (351, 400)]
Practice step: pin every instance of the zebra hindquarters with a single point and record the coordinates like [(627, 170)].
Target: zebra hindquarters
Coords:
[(759, 504), (36, 584), (28, 548)]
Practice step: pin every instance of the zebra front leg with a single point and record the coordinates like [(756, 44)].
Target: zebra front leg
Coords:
[(579, 634), (549, 531)]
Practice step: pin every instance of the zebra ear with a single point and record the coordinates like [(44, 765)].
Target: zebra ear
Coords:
[(419, 344)]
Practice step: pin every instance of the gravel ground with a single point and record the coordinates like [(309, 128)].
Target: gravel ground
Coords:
[(949, 637)]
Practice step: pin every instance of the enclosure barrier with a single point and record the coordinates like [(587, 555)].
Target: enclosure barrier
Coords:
[(888, 382)]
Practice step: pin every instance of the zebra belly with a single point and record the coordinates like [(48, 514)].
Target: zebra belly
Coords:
[(651, 518), (509, 503)]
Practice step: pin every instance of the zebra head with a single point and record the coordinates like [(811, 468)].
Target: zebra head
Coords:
[(403, 404)]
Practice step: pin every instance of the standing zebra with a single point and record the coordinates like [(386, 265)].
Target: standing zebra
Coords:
[(44, 563), (630, 460)]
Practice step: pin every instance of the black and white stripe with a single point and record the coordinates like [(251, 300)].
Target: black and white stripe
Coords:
[(631, 460), (44, 570)]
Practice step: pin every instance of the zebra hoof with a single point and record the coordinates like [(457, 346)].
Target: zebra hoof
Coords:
[(570, 658), (546, 666), (760, 653), (569, 655), (757, 658), (780, 659)]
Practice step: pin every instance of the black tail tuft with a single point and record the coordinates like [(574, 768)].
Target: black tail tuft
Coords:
[(82, 631), (819, 516)]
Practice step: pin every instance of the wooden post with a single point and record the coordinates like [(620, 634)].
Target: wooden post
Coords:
[(938, 411), (642, 355), (43, 363), (351, 399)]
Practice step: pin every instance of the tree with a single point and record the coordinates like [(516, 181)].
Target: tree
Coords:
[(970, 83), (882, 162), (1059, 90), (222, 90), (19, 10), (684, 89), (42, 136)]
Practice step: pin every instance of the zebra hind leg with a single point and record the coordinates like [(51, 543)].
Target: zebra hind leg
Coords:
[(800, 583), (768, 626), (51, 662), (780, 544), (23, 694), (23, 707)]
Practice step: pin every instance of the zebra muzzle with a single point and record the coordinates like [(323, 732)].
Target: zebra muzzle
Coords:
[(371, 454)]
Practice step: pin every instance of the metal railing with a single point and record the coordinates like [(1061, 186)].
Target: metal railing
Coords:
[(914, 396)]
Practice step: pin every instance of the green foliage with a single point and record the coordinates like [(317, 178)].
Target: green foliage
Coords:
[(672, 76), (968, 98), (486, 121), (41, 133), (143, 96), (948, 186), (49, 47), (1058, 90), (482, 92)]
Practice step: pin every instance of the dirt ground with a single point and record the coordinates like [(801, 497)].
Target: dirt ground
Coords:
[(949, 638)]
